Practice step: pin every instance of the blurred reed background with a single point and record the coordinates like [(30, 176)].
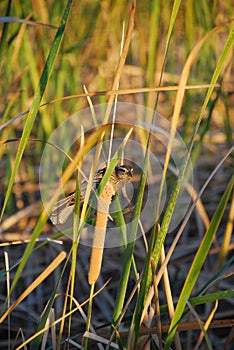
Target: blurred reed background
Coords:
[(89, 55)]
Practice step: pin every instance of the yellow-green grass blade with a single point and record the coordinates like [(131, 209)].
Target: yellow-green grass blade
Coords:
[(208, 298), (144, 284), (26, 132), (37, 99), (3, 43), (174, 13), (128, 258), (198, 262), (172, 202), (171, 205), (153, 41)]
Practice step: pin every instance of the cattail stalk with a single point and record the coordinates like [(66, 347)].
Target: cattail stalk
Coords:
[(100, 233)]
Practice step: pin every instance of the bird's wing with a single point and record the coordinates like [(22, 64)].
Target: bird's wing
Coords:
[(64, 207)]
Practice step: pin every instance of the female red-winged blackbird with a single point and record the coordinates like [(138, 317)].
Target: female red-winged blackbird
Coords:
[(63, 208)]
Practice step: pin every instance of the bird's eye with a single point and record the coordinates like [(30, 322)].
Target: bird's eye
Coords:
[(122, 170)]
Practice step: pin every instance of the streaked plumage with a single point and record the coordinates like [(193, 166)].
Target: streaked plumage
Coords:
[(63, 208)]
